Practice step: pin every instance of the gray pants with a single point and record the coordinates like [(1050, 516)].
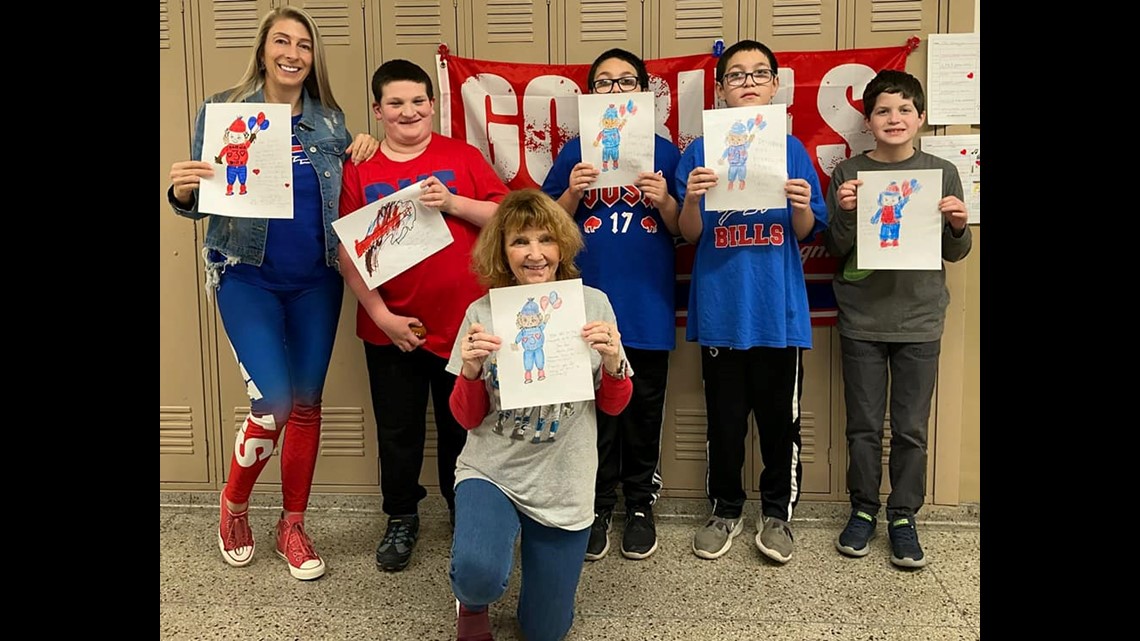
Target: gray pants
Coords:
[(912, 370)]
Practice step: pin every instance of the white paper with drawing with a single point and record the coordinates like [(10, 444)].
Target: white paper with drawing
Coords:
[(387, 237), (249, 145), (748, 149), (617, 135), (543, 359), (965, 151), (900, 226)]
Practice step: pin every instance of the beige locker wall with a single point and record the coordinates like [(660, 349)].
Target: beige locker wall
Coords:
[(690, 26), (182, 415), (593, 26), (195, 352)]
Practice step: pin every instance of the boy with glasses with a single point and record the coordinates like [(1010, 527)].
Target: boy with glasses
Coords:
[(748, 309), (629, 233)]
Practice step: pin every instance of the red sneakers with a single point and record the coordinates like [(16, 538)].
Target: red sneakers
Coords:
[(235, 539), (296, 548), (472, 626)]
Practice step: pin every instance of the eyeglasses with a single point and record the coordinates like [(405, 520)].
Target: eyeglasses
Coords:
[(737, 78), (606, 85)]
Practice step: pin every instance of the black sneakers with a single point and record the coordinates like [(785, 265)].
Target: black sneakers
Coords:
[(599, 544), (855, 538), (640, 537), (905, 550), (395, 549)]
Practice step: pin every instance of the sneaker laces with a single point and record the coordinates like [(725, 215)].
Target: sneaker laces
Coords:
[(298, 545), (239, 534), (399, 531), (720, 522), (906, 536)]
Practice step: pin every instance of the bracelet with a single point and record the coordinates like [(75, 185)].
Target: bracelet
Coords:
[(620, 374)]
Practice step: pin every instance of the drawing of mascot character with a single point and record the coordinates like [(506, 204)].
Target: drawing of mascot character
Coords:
[(889, 213), (237, 139), (613, 119), (737, 141), (531, 323)]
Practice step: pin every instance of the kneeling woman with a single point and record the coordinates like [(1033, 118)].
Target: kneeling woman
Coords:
[(504, 486)]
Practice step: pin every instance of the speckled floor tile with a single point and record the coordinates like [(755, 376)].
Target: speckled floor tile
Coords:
[(820, 594)]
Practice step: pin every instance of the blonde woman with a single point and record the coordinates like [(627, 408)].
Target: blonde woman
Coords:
[(276, 282)]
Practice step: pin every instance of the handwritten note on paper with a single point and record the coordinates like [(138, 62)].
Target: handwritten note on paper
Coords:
[(543, 359), (747, 147), (965, 152), (953, 73), (248, 144), (617, 135), (387, 237)]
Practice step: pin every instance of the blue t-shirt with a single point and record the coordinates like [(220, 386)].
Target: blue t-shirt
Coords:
[(748, 279), (629, 252), (294, 249)]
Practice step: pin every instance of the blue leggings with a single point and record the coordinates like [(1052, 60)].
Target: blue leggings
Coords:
[(283, 341), (482, 553)]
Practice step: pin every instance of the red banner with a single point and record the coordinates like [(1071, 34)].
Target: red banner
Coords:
[(519, 115)]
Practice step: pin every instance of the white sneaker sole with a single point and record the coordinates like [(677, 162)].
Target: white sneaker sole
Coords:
[(637, 556), (233, 557), (304, 574), (732, 534)]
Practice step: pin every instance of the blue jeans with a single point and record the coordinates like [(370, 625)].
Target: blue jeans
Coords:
[(482, 553), (283, 341)]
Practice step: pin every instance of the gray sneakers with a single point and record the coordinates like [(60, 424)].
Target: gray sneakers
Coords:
[(715, 538), (775, 539)]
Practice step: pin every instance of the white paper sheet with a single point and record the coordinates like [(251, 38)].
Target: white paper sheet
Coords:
[(899, 225), (965, 151), (543, 359), (747, 147), (249, 144), (953, 72)]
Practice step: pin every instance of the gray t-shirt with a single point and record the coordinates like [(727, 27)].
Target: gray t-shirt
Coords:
[(891, 305), (543, 458)]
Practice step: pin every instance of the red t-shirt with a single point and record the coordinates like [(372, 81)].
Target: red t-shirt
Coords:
[(438, 289)]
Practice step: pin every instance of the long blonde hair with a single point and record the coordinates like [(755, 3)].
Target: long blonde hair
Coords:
[(316, 83)]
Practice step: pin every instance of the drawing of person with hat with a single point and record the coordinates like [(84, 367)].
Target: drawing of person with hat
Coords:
[(889, 213), (736, 143), (610, 135), (531, 324), (237, 138)]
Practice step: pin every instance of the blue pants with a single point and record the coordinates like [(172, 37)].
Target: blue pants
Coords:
[(283, 341), (233, 173), (482, 553), (737, 172), (609, 153), (889, 231), (533, 357)]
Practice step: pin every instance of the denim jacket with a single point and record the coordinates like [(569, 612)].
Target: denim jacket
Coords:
[(324, 137)]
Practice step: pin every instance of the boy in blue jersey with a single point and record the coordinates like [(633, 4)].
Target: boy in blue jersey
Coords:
[(629, 233), (748, 310)]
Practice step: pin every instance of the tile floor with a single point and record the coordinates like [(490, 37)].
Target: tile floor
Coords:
[(671, 596)]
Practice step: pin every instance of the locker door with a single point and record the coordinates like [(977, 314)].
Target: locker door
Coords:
[(593, 26), (885, 23), (509, 30), (183, 444), (793, 25), (691, 26)]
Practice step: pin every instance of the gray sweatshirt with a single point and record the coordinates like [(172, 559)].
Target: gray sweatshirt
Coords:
[(900, 306), (543, 458)]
